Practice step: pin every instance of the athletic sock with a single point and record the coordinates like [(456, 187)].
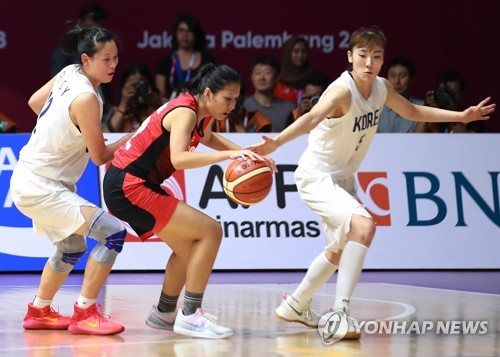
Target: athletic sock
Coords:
[(167, 303), (41, 303), (350, 267), (84, 302), (192, 301), (320, 270)]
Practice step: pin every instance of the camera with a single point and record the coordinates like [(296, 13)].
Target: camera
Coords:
[(142, 88), (313, 99), (444, 98)]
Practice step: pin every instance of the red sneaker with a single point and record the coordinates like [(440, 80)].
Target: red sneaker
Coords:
[(92, 321), (44, 319)]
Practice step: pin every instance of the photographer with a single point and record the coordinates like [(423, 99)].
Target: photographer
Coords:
[(315, 84), (449, 95), (138, 99)]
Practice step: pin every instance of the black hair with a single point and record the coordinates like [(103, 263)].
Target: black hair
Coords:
[(266, 60), (452, 76), (85, 40), (402, 61), (214, 77), (316, 78), (194, 25), (136, 67), (96, 12)]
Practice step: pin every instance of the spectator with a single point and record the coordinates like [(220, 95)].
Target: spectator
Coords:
[(139, 97), (264, 75), (315, 84), (189, 53), (400, 72), (7, 125), (449, 94), (241, 121), (91, 15), (294, 69)]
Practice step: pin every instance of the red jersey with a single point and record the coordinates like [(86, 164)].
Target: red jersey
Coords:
[(147, 154)]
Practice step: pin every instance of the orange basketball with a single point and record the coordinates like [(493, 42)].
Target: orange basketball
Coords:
[(247, 182)]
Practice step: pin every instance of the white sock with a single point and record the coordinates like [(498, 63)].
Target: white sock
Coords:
[(84, 302), (350, 267), (41, 303), (317, 275)]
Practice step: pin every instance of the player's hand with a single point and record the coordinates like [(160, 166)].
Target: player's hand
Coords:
[(479, 112), (245, 154), (265, 147), (271, 163)]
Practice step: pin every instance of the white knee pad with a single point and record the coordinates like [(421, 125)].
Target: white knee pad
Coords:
[(110, 233), (68, 253)]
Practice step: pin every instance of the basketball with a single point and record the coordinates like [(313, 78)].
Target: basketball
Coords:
[(247, 182)]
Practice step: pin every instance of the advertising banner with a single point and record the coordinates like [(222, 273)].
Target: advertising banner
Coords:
[(435, 199)]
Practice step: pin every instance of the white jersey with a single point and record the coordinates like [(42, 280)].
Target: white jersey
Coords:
[(337, 146), (56, 149)]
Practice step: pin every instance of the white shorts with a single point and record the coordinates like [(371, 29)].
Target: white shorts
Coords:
[(53, 207), (334, 201)]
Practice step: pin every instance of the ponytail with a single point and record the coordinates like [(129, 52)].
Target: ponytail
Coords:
[(89, 40), (214, 77)]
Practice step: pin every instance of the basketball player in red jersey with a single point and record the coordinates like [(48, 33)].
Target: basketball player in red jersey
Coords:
[(165, 142)]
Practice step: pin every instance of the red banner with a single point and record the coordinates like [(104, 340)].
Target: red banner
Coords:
[(437, 36)]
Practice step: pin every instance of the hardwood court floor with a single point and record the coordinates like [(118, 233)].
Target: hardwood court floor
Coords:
[(248, 307)]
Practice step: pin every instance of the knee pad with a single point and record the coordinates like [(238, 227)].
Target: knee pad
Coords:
[(110, 233), (68, 253)]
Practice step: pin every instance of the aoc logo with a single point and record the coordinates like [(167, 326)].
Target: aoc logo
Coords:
[(373, 193)]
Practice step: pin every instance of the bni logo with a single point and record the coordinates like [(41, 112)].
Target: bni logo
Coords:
[(373, 193)]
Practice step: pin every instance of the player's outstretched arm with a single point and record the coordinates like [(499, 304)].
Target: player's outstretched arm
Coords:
[(482, 111)]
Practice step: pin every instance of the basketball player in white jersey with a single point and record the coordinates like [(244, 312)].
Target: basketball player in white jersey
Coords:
[(67, 133), (342, 126)]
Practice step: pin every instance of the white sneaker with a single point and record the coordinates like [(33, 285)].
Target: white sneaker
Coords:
[(289, 312), (161, 320), (201, 325)]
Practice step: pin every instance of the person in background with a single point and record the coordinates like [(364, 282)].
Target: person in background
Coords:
[(138, 98), (91, 15), (7, 125), (341, 127), (294, 69), (43, 184), (189, 52), (315, 84), (164, 143), (241, 121), (449, 95), (401, 74), (264, 72)]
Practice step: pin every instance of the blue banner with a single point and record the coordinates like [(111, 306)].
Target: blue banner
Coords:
[(16, 226)]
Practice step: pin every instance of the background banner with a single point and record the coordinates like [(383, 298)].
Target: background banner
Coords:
[(435, 35), (435, 198)]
